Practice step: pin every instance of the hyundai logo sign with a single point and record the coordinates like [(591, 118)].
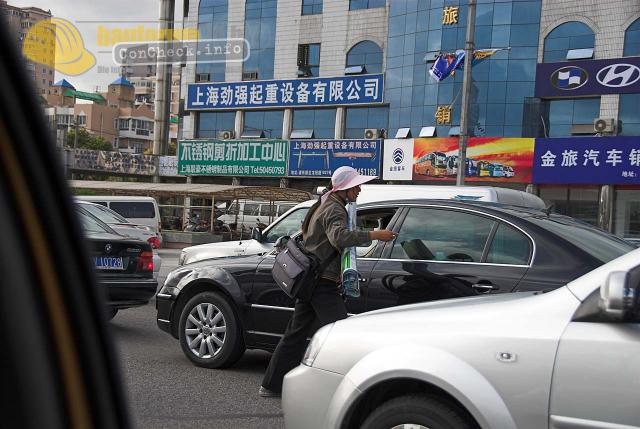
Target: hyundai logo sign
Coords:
[(618, 75), (398, 156), (569, 78)]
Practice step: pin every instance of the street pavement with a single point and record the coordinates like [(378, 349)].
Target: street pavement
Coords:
[(166, 391)]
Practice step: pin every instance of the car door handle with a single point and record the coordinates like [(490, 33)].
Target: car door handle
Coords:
[(484, 287)]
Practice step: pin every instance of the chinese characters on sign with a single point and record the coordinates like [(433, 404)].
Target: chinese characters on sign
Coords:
[(233, 158), (443, 115), (450, 15), (364, 89), (611, 160), (113, 162), (320, 158)]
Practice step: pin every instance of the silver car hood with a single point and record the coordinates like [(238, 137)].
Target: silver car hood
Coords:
[(214, 250)]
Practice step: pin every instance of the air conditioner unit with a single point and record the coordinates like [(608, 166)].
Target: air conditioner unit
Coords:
[(226, 134), (250, 75), (371, 133), (604, 125)]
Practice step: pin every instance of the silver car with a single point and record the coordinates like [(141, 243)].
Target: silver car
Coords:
[(563, 359)]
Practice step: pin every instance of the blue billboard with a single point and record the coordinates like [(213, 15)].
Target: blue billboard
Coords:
[(331, 91), (587, 160), (320, 158)]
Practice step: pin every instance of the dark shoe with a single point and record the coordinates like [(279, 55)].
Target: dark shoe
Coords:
[(266, 393)]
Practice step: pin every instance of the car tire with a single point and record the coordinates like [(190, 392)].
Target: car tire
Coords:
[(209, 331), (419, 410), (111, 313)]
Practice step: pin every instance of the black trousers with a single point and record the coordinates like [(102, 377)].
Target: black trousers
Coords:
[(325, 306)]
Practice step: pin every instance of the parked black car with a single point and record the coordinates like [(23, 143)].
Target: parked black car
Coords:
[(444, 249), (124, 266)]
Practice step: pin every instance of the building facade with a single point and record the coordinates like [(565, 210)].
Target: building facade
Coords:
[(19, 21), (301, 40)]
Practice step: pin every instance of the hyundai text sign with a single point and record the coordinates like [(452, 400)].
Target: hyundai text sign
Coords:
[(590, 77), (587, 160), (332, 91)]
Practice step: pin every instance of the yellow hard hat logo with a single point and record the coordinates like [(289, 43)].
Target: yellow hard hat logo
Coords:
[(61, 37)]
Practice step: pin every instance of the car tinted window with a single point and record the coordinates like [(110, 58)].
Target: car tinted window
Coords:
[(267, 210), (91, 224), (134, 209), (287, 226), (442, 235), (250, 209), (509, 246), (596, 242), (104, 214)]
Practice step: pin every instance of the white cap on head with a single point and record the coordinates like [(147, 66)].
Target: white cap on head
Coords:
[(346, 178)]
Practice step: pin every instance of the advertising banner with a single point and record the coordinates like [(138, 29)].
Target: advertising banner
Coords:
[(320, 158), (114, 162), (489, 159), (326, 91), (168, 165), (587, 160), (258, 158), (588, 77), (398, 159)]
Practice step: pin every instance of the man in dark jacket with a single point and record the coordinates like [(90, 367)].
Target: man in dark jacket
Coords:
[(325, 234)]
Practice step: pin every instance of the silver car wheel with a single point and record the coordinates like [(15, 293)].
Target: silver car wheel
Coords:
[(205, 330)]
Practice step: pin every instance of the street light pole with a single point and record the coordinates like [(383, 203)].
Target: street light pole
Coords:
[(466, 92)]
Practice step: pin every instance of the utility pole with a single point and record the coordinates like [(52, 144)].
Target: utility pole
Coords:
[(163, 87), (466, 92)]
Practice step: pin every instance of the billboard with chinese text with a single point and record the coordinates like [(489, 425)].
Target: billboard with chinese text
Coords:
[(489, 159), (320, 158), (587, 160), (331, 91), (258, 158)]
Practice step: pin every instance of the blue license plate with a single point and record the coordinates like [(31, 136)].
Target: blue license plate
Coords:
[(108, 263)]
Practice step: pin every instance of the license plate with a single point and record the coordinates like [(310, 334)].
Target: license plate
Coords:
[(108, 263)]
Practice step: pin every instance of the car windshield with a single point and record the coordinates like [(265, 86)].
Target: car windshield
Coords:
[(91, 224), (104, 214), (596, 242)]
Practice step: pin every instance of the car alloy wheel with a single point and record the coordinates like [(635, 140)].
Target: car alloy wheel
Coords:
[(205, 330), (210, 331)]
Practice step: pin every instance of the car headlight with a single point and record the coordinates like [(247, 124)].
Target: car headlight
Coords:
[(316, 344)]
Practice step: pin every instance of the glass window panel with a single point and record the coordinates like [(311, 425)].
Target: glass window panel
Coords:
[(517, 91), (409, 43), (445, 94), (627, 213), (498, 70), (527, 12), (435, 39), (500, 36), (410, 25), (482, 37), (522, 70), (449, 39), (422, 22), (524, 35), (513, 114), (585, 110), (484, 14), (570, 35), (629, 114), (495, 114), (397, 8), (447, 235), (509, 246), (497, 92), (480, 71), (501, 13)]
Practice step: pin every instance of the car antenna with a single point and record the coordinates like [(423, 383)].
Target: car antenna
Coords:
[(547, 210)]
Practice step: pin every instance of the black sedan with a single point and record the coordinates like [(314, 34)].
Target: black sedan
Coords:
[(444, 249), (124, 266)]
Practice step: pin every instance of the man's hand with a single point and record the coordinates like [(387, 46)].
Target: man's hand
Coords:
[(382, 235)]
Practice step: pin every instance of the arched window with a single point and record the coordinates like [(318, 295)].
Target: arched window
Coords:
[(212, 24), (632, 39), (367, 54), (566, 37)]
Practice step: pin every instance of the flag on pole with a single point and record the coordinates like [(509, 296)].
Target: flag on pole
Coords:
[(446, 64)]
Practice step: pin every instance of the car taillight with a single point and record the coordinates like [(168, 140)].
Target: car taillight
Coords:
[(145, 261), (154, 242)]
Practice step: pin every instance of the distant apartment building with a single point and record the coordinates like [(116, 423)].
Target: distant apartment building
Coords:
[(113, 115), (143, 78), (20, 20)]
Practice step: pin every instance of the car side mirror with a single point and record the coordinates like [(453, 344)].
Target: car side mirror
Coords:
[(256, 234), (281, 242), (618, 298)]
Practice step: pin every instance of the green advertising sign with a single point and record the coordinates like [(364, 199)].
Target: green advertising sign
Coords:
[(233, 158)]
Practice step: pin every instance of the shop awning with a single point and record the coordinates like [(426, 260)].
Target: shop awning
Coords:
[(218, 192)]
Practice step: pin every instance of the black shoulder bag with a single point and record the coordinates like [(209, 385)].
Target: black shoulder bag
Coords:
[(296, 270)]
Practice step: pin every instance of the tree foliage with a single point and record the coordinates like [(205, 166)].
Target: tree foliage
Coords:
[(86, 140)]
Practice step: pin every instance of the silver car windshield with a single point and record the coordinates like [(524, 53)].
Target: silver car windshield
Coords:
[(599, 244)]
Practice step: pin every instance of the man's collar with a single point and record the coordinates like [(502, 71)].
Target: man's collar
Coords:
[(337, 198)]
